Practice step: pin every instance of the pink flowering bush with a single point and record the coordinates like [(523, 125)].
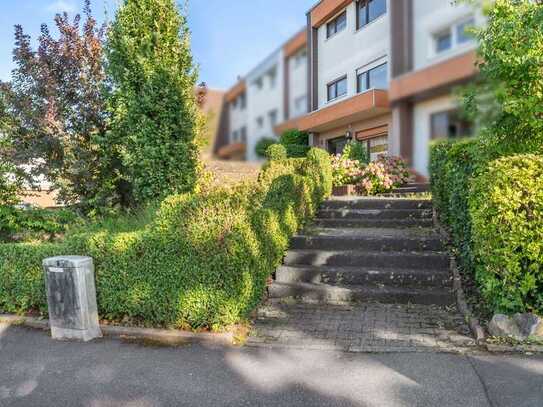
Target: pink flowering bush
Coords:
[(345, 171), (383, 175)]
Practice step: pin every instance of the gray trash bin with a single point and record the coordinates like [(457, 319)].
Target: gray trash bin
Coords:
[(71, 297)]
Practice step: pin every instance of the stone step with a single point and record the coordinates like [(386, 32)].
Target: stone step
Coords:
[(322, 293), (359, 241), (353, 276), (375, 239), (360, 258), (373, 223), (413, 188), (374, 214), (376, 203)]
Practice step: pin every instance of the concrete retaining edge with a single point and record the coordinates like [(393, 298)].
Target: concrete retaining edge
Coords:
[(161, 336)]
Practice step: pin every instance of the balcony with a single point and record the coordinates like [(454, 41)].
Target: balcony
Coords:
[(361, 107)]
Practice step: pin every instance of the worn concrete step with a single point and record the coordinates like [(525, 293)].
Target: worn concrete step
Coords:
[(323, 293), (413, 188), (352, 276), (375, 239), (360, 258), (373, 223), (376, 203), (374, 214)]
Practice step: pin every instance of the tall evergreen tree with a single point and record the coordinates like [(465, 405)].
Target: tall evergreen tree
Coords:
[(155, 119)]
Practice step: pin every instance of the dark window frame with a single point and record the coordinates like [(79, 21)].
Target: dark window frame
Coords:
[(365, 4), (462, 126), (334, 84), (334, 24), (367, 74)]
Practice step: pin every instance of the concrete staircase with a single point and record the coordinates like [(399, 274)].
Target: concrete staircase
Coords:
[(368, 249)]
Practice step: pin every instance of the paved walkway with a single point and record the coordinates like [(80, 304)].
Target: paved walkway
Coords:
[(368, 327), (37, 371)]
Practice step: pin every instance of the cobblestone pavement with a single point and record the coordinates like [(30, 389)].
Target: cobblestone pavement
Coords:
[(368, 327)]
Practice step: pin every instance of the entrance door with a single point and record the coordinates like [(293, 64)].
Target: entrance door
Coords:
[(337, 145)]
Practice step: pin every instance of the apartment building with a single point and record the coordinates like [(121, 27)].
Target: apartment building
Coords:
[(432, 53), (349, 58), (383, 71), (378, 71), (266, 101)]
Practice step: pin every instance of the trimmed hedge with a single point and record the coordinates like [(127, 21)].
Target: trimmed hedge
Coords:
[(452, 165), (506, 207), (203, 261)]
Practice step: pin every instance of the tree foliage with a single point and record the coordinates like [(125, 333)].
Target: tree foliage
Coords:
[(154, 112), (508, 100), (56, 109)]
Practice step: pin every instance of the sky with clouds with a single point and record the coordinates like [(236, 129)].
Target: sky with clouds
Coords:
[(228, 37)]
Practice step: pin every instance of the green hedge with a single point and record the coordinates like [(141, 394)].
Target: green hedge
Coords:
[(203, 261), (506, 206), (452, 165)]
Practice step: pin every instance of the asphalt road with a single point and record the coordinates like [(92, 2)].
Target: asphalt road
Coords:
[(37, 371)]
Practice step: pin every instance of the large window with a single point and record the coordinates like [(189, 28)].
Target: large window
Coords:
[(337, 88), (454, 36), (369, 10), (273, 117), (336, 25), (449, 124), (376, 78)]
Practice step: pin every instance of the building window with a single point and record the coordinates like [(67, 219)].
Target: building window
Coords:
[(243, 101), (260, 122), (235, 137), (300, 58), (375, 78), (300, 104), (336, 25), (369, 10), (273, 117), (259, 83), (456, 35), (463, 33), (449, 124), (243, 135), (337, 88)]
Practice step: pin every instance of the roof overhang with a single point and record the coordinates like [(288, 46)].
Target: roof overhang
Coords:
[(364, 106), (438, 76), (295, 44), (326, 9)]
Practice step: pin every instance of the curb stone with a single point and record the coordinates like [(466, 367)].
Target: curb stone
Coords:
[(514, 348), (159, 336)]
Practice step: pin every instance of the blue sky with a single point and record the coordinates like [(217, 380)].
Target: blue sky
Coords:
[(228, 37)]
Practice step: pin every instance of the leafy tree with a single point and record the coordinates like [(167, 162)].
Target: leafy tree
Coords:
[(507, 101), (155, 117), (56, 106)]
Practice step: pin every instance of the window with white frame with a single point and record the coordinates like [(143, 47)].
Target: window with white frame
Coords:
[(369, 10), (260, 122), (337, 88), (454, 36), (273, 117), (300, 104), (375, 78), (337, 25)]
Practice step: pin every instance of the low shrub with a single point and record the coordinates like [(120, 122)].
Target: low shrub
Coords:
[(276, 152), (25, 224), (344, 170), (452, 166), (383, 175), (296, 143), (203, 260), (262, 146), (357, 151), (506, 208)]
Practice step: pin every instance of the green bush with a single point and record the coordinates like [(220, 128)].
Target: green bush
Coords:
[(201, 262), (296, 143), (276, 152), (262, 146), (452, 166), (506, 207), (356, 151)]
